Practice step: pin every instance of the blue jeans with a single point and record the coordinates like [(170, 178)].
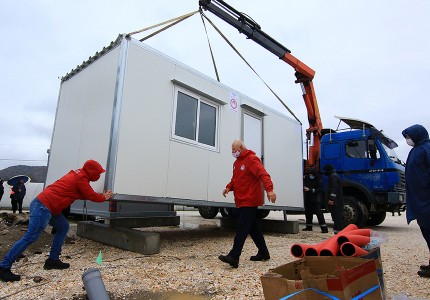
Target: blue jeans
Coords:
[(40, 217)]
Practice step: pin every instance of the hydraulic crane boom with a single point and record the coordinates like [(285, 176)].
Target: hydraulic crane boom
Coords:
[(304, 74)]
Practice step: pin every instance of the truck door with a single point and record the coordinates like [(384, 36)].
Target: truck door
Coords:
[(253, 133), (363, 163)]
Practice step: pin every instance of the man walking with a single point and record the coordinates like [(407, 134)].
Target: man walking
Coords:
[(248, 174)]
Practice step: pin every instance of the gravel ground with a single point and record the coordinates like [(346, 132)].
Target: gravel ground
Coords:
[(187, 266)]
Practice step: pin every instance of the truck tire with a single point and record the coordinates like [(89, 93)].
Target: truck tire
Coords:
[(262, 213), (208, 212), (376, 218), (354, 212)]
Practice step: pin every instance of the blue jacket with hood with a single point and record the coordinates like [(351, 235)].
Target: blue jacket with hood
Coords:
[(418, 176)]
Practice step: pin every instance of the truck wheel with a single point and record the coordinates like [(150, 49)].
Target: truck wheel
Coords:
[(262, 213), (208, 212), (354, 212), (376, 218)]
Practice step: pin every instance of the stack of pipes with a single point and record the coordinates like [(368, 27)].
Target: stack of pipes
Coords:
[(348, 242)]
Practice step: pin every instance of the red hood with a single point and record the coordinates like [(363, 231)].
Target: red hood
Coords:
[(93, 169)]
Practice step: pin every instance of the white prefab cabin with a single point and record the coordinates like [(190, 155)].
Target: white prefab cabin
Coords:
[(163, 131)]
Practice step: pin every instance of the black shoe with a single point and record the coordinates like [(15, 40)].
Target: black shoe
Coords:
[(307, 229), (425, 267), (6, 275), (229, 260), (260, 257), (424, 273), (55, 264), (324, 229)]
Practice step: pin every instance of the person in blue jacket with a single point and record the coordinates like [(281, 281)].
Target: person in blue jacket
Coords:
[(417, 175)]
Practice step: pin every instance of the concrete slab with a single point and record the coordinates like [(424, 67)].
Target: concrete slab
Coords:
[(131, 222), (123, 238), (267, 225)]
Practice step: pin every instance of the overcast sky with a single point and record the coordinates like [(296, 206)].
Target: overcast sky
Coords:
[(371, 58)]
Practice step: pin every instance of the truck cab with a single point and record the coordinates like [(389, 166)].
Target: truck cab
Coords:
[(373, 177)]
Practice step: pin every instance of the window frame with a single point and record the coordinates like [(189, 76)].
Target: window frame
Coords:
[(366, 148), (200, 99)]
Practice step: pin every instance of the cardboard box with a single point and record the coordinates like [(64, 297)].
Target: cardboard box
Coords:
[(340, 277), (375, 254)]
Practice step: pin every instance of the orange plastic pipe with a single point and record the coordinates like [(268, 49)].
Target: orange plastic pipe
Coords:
[(359, 240), (298, 250), (331, 248), (350, 249), (362, 231)]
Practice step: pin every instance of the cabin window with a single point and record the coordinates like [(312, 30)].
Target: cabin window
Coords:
[(373, 150), (195, 119), (356, 149)]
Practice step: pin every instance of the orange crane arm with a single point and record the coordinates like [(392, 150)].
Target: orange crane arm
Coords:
[(304, 74)]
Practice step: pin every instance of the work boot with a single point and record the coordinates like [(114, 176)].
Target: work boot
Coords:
[(55, 264), (425, 267), (260, 257), (324, 229), (229, 260), (6, 275), (424, 273), (307, 228)]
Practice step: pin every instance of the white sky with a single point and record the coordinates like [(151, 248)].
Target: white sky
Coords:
[(371, 58)]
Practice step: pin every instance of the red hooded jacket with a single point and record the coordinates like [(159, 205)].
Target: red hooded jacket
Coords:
[(72, 186), (248, 174)]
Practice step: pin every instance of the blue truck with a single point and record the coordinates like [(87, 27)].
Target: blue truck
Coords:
[(373, 177)]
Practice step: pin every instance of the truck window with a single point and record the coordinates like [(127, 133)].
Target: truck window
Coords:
[(373, 150), (356, 149)]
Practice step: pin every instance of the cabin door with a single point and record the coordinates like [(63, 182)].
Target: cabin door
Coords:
[(253, 133)]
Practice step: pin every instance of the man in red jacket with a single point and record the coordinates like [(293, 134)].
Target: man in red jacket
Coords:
[(248, 174), (46, 209)]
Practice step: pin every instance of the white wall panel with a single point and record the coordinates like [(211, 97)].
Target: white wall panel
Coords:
[(83, 120), (144, 133)]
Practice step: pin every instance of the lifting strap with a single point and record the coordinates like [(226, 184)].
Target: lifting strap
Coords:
[(240, 55), (177, 19), (209, 43)]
